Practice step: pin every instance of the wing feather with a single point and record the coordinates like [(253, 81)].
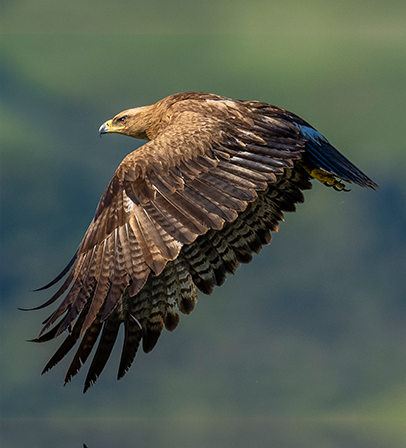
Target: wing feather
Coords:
[(78, 273), (209, 205), (139, 270), (107, 340), (165, 243), (153, 258), (170, 224), (194, 210), (168, 205), (230, 184), (86, 345), (222, 198), (132, 339), (67, 345), (103, 282), (120, 278)]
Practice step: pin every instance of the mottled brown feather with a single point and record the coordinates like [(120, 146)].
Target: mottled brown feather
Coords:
[(132, 339)]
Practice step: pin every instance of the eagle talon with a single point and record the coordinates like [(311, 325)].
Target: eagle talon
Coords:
[(329, 180), (339, 186)]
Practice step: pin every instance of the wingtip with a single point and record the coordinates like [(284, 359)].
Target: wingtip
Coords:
[(61, 275), (88, 385), (32, 309), (24, 309), (371, 184)]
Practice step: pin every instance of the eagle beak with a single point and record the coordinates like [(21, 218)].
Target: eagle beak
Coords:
[(105, 128), (108, 126)]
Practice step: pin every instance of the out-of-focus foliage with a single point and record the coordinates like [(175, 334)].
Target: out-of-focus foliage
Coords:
[(303, 347), (183, 16)]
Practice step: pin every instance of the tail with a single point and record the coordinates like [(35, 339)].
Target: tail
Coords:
[(326, 164)]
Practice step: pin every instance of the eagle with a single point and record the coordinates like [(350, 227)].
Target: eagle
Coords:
[(180, 213)]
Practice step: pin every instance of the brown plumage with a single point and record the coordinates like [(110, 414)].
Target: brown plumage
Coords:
[(180, 213)]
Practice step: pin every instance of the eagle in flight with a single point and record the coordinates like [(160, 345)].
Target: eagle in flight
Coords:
[(180, 213)]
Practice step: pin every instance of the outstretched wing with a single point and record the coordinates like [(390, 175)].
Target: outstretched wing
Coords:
[(179, 214)]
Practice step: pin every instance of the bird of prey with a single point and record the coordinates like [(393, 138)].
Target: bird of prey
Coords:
[(180, 213)]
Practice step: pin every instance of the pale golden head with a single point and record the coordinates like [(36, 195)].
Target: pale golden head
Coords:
[(131, 122)]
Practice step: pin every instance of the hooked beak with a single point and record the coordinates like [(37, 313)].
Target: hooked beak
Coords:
[(107, 127)]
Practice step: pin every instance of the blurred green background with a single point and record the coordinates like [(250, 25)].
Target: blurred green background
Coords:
[(304, 347)]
